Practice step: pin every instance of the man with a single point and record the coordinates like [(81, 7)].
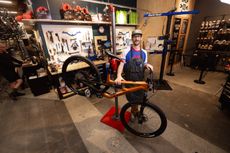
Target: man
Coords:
[(7, 70), (135, 60)]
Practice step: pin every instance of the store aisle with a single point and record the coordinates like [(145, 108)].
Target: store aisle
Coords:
[(32, 125)]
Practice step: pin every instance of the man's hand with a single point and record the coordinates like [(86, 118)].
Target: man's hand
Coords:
[(149, 66), (119, 79)]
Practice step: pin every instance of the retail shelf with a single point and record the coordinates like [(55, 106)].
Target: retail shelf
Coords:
[(126, 24), (33, 21)]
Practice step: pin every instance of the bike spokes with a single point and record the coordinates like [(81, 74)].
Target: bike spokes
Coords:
[(147, 121)]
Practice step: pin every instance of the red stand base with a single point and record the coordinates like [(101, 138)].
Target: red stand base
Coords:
[(109, 119)]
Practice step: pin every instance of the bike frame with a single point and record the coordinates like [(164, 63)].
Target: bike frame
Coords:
[(140, 85)]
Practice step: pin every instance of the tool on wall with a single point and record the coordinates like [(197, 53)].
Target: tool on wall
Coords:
[(66, 42), (51, 36), (75, 45), (62, 49), (56, 34), (69, 34)]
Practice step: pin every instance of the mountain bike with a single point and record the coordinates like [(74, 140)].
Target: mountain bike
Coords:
[(148, 121)]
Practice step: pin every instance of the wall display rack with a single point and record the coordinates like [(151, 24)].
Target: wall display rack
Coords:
[(214, 35), (214, 41), (178, 37), (56, 35)]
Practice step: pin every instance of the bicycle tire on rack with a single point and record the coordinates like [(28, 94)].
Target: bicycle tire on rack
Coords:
[(153, 133), (69, 81)]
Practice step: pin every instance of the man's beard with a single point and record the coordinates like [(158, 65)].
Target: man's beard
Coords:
[(136, 43)]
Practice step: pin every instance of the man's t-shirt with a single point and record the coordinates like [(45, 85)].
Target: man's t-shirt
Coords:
[(126, 55)]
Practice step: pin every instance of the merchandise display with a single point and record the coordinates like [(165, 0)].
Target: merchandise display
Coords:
[(42, 13), (123, 37), (214, 35), (74, 13), (9, 27), (67, 40)]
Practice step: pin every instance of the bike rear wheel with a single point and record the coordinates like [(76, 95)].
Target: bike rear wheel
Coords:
[(149, 121), (79, 73)]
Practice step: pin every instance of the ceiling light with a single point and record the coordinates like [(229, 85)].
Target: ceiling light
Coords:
[(6, 2), (225, 1), (12, 12)]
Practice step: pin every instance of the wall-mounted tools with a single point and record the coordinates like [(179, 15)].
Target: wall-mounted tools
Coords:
[(65, 43), (75, 45), (71, 34), (50, 37), (56, 34)]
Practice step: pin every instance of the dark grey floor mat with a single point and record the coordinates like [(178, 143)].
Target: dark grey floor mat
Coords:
[(38, 125)]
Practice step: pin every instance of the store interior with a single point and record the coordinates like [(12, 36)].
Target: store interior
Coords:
[(70, 52)]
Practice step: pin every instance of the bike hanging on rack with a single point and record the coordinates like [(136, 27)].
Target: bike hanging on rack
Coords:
[(149, 121)]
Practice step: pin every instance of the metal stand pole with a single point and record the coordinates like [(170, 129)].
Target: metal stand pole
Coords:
[(200, 81), (171, 65), (164, 53), (116, 114)]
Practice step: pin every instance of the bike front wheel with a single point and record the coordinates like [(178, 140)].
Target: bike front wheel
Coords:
[(147, 121)]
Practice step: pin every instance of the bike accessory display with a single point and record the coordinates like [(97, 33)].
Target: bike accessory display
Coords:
[(66, 12), (73, 34), (42, 12)]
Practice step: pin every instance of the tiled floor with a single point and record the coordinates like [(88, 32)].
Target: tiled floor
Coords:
[(46, 124)]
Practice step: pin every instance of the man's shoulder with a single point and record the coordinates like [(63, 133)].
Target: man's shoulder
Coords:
[(126, 51), (143, 50)]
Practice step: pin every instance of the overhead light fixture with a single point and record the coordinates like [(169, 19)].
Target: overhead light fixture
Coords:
[(225, 1), (12, 12), (6, 2)]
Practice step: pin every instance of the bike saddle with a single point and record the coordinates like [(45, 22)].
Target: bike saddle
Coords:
[(112, 55)]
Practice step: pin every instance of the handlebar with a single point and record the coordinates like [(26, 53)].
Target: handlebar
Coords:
[(112, 55)]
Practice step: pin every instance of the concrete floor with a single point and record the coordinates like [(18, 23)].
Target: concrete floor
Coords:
[(46, 124)]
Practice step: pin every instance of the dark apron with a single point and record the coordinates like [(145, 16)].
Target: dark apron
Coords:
[(134, 71)]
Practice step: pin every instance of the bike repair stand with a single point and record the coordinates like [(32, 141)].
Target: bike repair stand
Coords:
[(200, 81), (112, 117), (171, 73), (161, 83)]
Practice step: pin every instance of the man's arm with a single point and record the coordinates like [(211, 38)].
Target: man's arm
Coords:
[(147, 65), (119, 72)]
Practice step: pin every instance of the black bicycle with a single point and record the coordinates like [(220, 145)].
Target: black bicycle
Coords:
[(149, 121)]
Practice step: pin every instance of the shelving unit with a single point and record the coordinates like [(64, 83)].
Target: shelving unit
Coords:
[(33, 21), (213, 41), (214, 35), (178, 37)]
